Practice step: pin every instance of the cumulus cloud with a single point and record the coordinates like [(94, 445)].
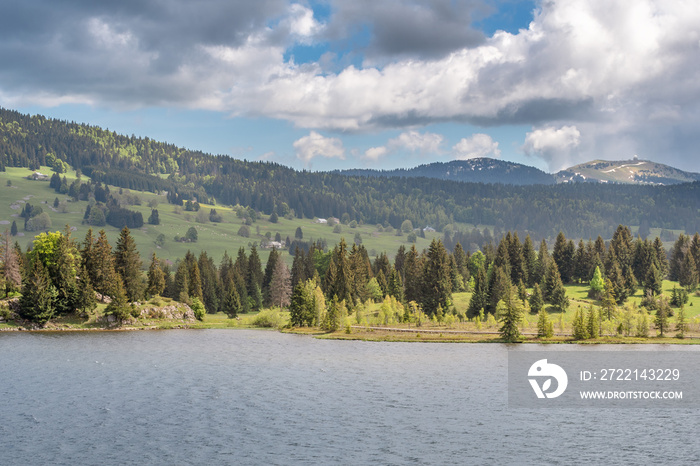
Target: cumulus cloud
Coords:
[(412, 141), (316, 145), (555, 146), (375, 153), (478, 145)]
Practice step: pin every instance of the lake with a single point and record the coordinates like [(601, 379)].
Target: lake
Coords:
[(261, 397)]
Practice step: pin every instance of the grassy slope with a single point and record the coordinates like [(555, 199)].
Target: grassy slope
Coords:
[(213, 238)]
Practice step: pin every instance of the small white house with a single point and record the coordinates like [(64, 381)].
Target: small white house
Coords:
[(37, 176), (429, 229), (322, 221)]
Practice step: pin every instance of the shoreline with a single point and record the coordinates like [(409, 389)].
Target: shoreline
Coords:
[(375, 334)]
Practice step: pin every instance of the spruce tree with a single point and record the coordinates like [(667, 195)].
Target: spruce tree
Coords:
[(231, 303), (544, 325), (13, 228), (530, 261), (592, 324), (255, 273), (194, 281), (608, 301), (127, 263), (436, 291), (10, 265), (688, 274), (653, 281), (597, 284), (412, 275), (661, 320), (101, 266), (511, 318), (119, 306), (182, 283), (210, 282), (156, 278), (536, 301), (681, 323), (38, 301), (479, 299), (267, 276), (579, 327)]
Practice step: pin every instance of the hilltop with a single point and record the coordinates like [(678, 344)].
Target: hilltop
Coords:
[(633, 171)]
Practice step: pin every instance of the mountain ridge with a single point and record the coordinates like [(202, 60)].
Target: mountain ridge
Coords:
[(488, 170)]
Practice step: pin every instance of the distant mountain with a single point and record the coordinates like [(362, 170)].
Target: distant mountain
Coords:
[(479, 170), (633, 171)]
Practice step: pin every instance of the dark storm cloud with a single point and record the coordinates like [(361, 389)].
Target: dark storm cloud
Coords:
[(422, 29)]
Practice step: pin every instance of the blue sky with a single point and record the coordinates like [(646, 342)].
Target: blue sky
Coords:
[(334, 84)]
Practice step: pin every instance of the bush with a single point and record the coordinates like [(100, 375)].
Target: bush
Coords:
[(244, 231), (268, 318), (198, 309)]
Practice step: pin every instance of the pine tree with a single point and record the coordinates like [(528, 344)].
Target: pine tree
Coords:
[(688, 274), (681, 323), (182, 283), (592, 324), (544, 325), (298, 267), (211, 286), (342, 287), (194, 278), (678, 253), (13, 228), (412, 275), (661, 320), (436, 291), (511, 318), (580, 329), (231, 303), (267, 276), (597, 284), (608, 302), (536, 301), (38, 301), (653, 281), (498, 287), (563, 257), (10, 265), (395, 288), (542, 265), (85, 298), (119, 307), (530, 261), (479, 299), (101, 267), (127, 263), (156, 278), (255, 273)]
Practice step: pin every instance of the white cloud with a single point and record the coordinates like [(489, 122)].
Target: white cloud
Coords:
[(553, 145), (316, 145), (375, 153), (424, 143), (478, 145)]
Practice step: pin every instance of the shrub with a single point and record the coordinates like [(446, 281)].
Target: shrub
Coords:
[(268, 318), (198, 309)]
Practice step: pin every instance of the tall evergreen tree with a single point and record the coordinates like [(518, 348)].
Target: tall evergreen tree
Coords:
[(436, 291), (10, 265), (127, 263), (211, 285), (267, 276), (479, 299), (182, 283), (156, 278), (536, 300), (511, 318), (412, 275), (38, 301), (231, 302), (255, 273), (530, 260), (194, 278), (688, 273)]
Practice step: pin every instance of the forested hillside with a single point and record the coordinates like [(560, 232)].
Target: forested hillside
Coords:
[(579, 210)]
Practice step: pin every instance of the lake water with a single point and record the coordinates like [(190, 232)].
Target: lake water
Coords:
[(261, 397)]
